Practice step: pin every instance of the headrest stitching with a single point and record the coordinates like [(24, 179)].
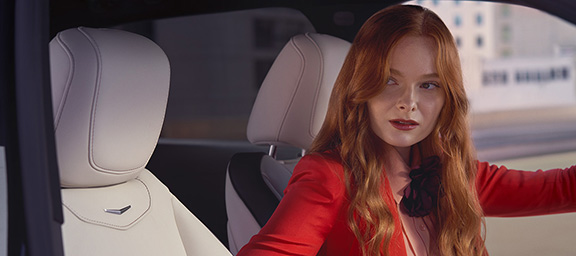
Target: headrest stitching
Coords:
[(68, 83), (95, 107), (318, 83), (303, 67)]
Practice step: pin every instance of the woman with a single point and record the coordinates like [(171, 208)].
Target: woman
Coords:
[(392, 171)]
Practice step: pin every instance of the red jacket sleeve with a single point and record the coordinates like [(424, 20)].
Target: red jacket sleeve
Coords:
[(306, 213), (509, 193)]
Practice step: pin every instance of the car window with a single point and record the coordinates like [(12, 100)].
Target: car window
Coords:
[(217, 69), (519, 72)]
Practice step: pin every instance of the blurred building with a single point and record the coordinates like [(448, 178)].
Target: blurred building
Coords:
[(507, 49)]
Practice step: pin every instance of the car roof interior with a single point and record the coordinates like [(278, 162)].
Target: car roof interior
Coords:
[(105, 13)]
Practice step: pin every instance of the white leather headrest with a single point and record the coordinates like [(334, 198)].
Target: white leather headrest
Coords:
[(109, 92), (292, 102)]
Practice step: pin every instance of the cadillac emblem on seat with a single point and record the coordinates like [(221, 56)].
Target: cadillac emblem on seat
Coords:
[(118, 211)]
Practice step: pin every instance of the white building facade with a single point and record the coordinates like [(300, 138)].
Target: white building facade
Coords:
[(512, 57)]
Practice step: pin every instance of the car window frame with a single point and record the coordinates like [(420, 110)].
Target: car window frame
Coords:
[(27, 133)]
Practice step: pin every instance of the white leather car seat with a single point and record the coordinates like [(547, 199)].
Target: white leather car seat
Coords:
[(109, 91), (289, 111)]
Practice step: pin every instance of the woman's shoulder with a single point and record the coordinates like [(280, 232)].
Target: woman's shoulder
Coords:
[(321, 161), (325, 168)]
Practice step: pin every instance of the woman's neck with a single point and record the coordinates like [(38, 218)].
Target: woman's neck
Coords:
[(404, 153), (397, 170)]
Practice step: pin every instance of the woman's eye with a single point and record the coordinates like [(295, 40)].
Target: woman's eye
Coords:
[(390, 81), (429, 86)]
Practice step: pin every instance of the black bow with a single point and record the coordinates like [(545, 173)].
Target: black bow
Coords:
[(421, 196)]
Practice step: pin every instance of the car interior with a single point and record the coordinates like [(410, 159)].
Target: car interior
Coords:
[(288, 111), (171, 127), (111, 87)]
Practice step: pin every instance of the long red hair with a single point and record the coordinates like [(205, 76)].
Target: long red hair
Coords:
[(347, 131)]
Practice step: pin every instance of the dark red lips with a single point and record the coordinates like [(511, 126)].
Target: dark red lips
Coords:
[(403, 124)]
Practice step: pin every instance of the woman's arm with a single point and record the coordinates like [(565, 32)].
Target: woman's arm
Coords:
[(509, 193), (306, 214)]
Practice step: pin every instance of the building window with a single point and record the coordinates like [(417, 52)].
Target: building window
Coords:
[(506, 52), (505, 10), (459, 42), (435, 2), (479, 41), (457, 21), (542, 76), (479, 19), (494, 78), (565, 50), (506, 34)]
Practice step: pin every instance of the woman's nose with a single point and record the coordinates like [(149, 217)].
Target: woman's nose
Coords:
[(407, 100)]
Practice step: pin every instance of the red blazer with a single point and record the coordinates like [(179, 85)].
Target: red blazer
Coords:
[(311, 218)]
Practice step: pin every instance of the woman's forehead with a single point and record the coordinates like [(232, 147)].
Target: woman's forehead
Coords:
[(413, 56)]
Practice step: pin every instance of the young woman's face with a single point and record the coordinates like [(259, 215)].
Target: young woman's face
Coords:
[(405, 112)]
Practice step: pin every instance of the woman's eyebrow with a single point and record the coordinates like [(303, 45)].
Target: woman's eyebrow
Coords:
[(395, 72), (430, 76)]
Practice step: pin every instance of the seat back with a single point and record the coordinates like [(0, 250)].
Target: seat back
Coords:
[(109, 91), (289, 111)]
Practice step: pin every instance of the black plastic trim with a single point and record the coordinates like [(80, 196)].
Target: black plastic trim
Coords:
[(246, 178)]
